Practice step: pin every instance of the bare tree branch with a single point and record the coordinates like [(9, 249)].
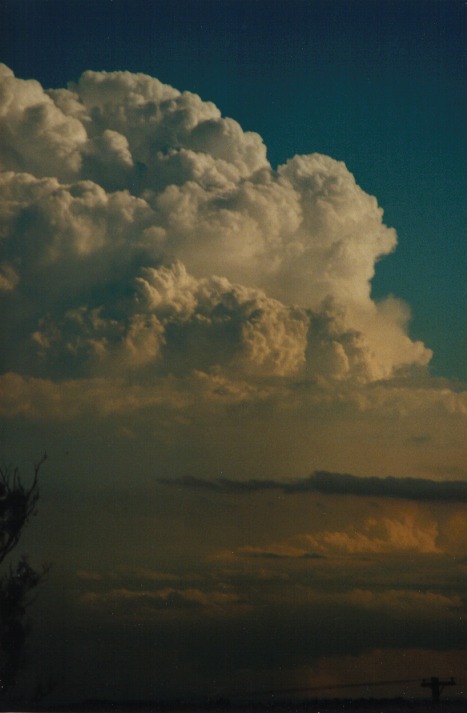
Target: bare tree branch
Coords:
[(17, 504)]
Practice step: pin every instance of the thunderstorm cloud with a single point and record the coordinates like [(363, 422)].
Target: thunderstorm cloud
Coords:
[(146, 239), (256, 478)]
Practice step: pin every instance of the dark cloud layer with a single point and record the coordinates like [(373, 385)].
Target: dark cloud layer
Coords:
[(421, 489)]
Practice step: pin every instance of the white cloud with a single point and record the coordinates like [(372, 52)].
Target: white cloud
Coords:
[(36, 135), (144, 231)]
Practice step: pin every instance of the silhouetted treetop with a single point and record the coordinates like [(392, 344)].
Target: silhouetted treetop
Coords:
[(17, 504)]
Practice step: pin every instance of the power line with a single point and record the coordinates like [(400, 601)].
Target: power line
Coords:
[(308, 689)]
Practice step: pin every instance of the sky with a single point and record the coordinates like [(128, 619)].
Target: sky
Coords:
[(233, 314)]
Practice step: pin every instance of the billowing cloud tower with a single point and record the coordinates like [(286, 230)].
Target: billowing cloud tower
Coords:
[(143, 233)]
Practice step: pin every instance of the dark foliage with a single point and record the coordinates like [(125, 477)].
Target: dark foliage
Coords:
[(17, 505)]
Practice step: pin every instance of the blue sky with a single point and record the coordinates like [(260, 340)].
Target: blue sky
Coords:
[(380, 86)]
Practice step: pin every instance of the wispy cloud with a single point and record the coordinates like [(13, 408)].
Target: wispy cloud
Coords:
[(278, 552)]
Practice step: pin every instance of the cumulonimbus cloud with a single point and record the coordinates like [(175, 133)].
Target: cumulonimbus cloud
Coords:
[(420, 489), (142, 231)]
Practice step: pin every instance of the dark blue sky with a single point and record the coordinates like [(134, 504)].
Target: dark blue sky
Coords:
[(377, 84)]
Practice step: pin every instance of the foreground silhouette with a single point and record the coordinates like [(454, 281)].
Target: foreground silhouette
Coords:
[(437, 686), (17, 505)]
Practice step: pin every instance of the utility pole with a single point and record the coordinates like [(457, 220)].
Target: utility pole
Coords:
[(437, 686)]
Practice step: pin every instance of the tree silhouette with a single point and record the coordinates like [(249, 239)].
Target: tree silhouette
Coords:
[(17, 505)]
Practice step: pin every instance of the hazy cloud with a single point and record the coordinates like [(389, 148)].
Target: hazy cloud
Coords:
[(278, 552), (146, 604), (380, 535)]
